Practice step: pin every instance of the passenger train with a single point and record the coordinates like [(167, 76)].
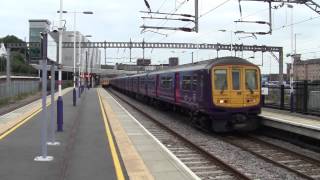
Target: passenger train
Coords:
[(221, 94)]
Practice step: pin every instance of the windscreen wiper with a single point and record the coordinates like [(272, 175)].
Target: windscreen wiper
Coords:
[(223, 86), (249, 87)]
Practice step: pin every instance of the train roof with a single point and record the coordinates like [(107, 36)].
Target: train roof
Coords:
[(207, 64)]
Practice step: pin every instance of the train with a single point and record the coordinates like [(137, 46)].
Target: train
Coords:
[(221, 95), (105, 82)]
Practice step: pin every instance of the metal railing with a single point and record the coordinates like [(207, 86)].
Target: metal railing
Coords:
[(306, 98), (17, 88)]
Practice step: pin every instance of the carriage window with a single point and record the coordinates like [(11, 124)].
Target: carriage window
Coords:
[(166, 82), (251, 79), (236, 79), (220, 79), (186, 83), (194, 82)]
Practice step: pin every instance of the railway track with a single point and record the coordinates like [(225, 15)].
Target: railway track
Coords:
[(303, 166), (204, 164)]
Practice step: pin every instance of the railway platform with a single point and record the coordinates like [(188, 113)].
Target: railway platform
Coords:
[(83, 152), (301, 124), (101, 140)]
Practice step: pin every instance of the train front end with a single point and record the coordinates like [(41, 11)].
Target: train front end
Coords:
[(236, 96)]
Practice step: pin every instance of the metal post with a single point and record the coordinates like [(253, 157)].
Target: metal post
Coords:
[(192, 57), (52, 139), (130, 47), (44, 149), (281, 96), (8, 72), (91, 66), (86, 74), (196, 14), (292, 62), (74, 61), (79, 64), (305, 96), (281, 66), (105, 53), (60, 101)]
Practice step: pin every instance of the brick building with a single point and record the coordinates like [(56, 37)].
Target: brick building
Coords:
[(305, 69)]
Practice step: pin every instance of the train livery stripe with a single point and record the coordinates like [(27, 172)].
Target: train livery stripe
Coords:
[(114, 154)]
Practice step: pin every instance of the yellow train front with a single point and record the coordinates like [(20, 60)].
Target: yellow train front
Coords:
[(105, 82), (236, 93)]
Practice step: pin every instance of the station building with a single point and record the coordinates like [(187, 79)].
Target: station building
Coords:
[(305, 69), (89, 57)]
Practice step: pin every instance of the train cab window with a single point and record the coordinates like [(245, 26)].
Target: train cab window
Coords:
[(251, 79), (186, 82), (236, 79), (194, 82), (220, 79)]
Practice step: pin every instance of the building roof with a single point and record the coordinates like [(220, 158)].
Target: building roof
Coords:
[(40, 20), (309, 61)]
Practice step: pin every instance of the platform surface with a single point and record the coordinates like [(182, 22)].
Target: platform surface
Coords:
[(306, 125), (152, 157), (84, 152)]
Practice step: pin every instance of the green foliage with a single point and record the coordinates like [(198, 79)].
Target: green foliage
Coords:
[(18, 64), (13, 39)]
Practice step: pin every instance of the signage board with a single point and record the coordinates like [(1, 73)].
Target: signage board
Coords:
[(52, 49)]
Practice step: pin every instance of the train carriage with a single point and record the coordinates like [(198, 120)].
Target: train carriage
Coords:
[(222, 94)]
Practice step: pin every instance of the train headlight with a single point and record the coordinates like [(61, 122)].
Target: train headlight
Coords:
[(222, 101), (251, 100)]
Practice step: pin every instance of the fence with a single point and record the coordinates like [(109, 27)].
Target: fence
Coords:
[(306, 98), (18, 87)]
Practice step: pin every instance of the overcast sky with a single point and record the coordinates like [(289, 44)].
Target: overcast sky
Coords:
[(120, 20)]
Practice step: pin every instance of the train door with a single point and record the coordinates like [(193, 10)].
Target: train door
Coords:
[(236, 92), (176, 88), (220, 86), (251, 85)]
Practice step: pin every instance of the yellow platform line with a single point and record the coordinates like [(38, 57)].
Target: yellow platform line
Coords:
[(114, 154), (20, 123)]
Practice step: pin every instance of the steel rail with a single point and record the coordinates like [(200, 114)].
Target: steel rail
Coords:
[(260, 149)]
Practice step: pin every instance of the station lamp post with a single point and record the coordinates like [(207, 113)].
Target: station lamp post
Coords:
[(80, 64), (60, 101), (292, 59), (74, 50)]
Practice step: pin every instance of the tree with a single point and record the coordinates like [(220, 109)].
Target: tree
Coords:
[(18, 64)]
